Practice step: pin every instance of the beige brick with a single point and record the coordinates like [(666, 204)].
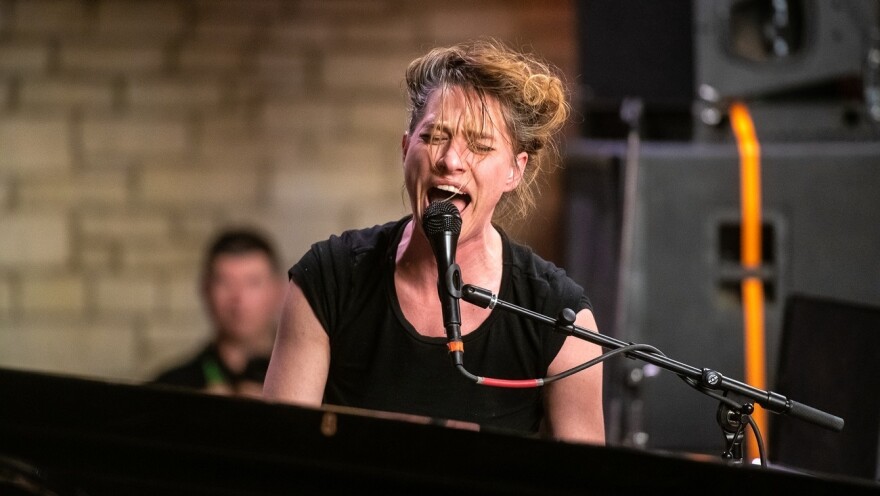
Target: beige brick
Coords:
[(456, 25), (5, 21), (248, 11), (329, 186), (29, 144), (274, 220), (232, 141), (120, 295), (100, 188), (54, 93), (544, 12), (5, 92), (49, 16), (247, 92), (200, 57), (6, 303), (34, 239), (62, 294), (303, 31), (5, 193), (315, 227), (286, 66), (365, 71), (562, 52), (112, 56), (134, 136), (384, 31), (283, 119), (183, 292), (294, 229), (175, 93), (368, 211), (199, 186), (225, 31), (97, 257), (387, 119), (105, 350), (154, 17), (224, 126), (349, 8), (377, 211), (132, 227), (159, 256), (363, 157), (235, 153), (23, 57), (197, 224), (548, 20), (292, 156)]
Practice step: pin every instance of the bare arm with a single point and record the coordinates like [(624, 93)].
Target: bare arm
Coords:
[(301, 357), (574, 403)]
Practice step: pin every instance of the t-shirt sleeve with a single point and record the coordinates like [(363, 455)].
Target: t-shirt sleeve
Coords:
[(332, 273), (563, 293), (316, 274), (551, 291)]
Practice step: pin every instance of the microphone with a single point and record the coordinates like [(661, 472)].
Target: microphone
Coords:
[(442, 224)]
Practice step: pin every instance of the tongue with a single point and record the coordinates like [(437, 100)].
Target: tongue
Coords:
[(460, 201)]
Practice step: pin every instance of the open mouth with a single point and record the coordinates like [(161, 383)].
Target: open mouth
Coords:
[(449, 193)]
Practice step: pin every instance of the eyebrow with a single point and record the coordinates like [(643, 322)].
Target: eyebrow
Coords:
[(469, 132)]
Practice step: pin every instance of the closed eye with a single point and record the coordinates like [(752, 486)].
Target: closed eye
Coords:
[(481, 148), (433, 138)]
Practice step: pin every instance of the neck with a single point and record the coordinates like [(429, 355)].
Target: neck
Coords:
[(478, 254)]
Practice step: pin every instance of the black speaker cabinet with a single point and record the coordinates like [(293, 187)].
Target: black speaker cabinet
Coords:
[(680, 272), (763, 47), (684, 60), (635, 49), (828, 358)]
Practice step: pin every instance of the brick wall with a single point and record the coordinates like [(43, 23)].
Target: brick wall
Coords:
[(131, 130)]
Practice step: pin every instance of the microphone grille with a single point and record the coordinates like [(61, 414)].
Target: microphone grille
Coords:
[(441, 217)]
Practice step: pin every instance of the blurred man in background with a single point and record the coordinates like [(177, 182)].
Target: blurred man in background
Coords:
[(242, 286)]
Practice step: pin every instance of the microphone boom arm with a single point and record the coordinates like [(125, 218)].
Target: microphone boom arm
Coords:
[(705, 379)]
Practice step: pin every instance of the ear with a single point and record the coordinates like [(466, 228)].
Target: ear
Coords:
[(517, 168), (404, 144)]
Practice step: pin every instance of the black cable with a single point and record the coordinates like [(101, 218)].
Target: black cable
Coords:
[(527, 383), (601, 358), (758, 439)]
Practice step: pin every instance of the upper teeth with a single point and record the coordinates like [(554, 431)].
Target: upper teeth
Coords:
[(451, 189)]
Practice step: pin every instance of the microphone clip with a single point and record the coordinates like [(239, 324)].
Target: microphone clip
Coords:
[(452, 281)]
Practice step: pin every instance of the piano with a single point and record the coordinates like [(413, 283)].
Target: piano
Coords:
[(71, 436)]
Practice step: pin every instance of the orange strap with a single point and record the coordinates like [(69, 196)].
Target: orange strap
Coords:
[(455, 346), (750, 258)]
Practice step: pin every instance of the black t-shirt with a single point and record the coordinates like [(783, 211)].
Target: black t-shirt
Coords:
[(207, 368), (379, 362)]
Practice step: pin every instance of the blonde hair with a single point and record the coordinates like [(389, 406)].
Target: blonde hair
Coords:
[(533, 100)]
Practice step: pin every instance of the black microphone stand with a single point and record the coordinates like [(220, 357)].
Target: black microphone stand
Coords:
[(732, 415)]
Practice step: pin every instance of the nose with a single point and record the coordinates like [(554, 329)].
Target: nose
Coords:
[(452, 158)]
